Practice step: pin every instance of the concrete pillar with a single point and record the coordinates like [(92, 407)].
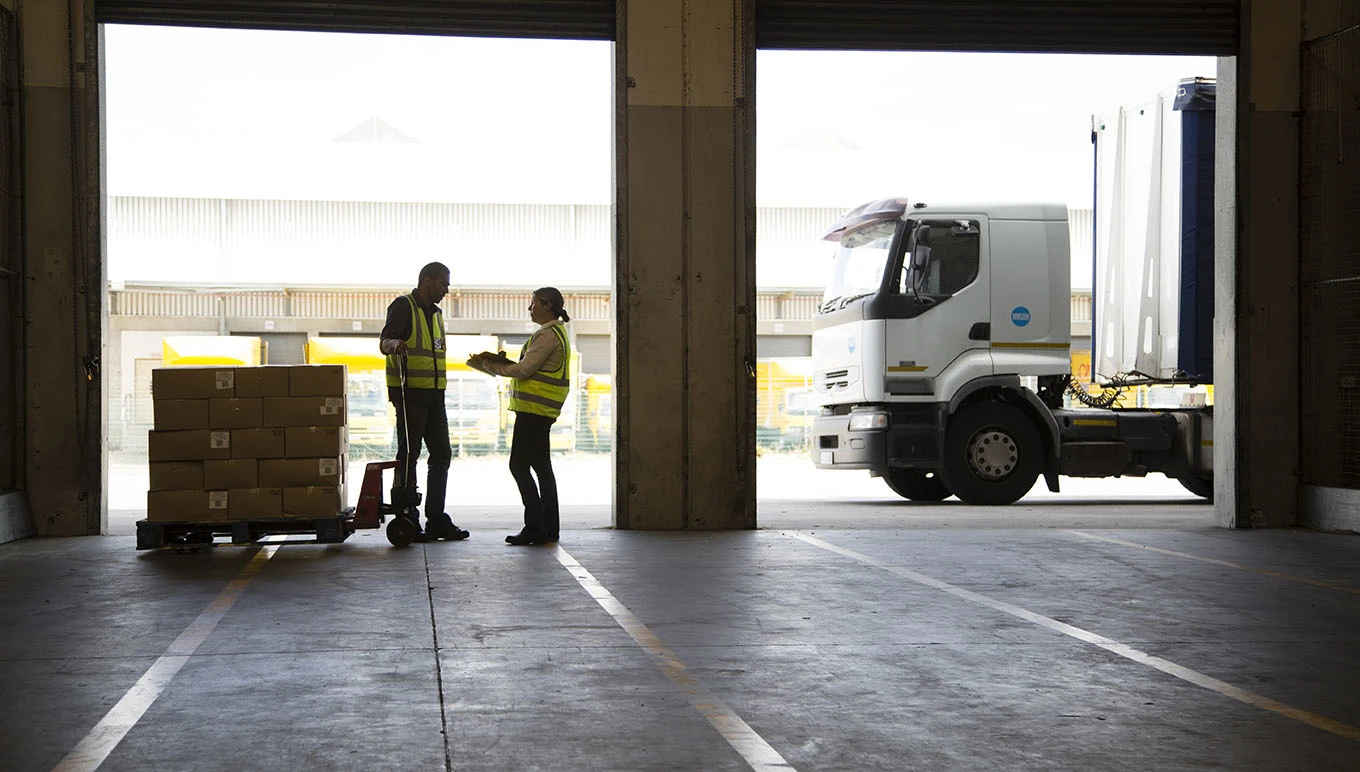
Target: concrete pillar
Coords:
[(63, 269), (685, 283), (1257, 258)]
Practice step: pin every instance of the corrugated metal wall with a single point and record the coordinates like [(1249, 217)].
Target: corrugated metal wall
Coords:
[(1051, 26), (575, 19), (12, 314), (1329, 271)]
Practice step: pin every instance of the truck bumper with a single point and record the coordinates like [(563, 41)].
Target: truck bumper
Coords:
[(834, 446)]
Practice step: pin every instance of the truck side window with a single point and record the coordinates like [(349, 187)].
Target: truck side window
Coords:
[(954, 257)]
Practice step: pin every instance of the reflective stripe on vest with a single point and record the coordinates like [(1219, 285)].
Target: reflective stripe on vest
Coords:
[(425, 365), (544, 392)]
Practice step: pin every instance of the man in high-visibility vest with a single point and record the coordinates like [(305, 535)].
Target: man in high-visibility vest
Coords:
[(413, 340)]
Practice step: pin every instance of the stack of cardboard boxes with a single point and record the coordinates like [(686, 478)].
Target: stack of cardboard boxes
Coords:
[(246, 443)]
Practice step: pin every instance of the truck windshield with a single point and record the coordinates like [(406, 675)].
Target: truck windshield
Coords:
[(858, 264)]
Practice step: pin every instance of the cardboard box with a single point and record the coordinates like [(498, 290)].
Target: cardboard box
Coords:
[(232, 473), (304, 411), (187, 506), (263, 381), (257, 443), (300, 472), (178, 414), (311, 501), (314, 441), (188, 445), (255, 502), (235, 413), (318, 381), (193, 382), (176, 475)]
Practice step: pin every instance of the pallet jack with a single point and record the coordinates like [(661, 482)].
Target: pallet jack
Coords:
[(371, 511)]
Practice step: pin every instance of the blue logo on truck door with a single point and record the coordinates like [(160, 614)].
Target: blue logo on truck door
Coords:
[(1020, 316)]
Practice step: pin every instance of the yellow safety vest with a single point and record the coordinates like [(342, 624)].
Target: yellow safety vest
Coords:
[(425, 367), (544, 392)]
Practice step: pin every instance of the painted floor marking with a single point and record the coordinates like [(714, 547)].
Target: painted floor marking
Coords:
[(96, 746), (1124, 650), (1217, 562), (752, 747)]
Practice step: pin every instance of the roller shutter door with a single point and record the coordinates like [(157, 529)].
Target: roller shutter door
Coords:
[(284, 348), (594, 353), (562, 19), (1200, 27), (783, 346)]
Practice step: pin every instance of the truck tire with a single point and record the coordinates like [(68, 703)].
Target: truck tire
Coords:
[(916, 485), (992, 454), (1198, 486)]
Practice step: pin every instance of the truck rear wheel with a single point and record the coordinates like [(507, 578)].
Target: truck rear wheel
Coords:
[(1198, 486), (916, 485), (992, 454)]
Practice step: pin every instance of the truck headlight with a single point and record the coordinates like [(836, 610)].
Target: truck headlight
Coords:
[(863, 422)]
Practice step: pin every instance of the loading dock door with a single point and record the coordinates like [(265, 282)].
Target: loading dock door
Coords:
[(559, 19), (1198, 27)]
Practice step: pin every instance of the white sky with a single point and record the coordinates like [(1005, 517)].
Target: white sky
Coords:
[(249, 114)]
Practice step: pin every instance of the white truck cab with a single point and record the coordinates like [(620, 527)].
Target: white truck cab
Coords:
[(934, 319)]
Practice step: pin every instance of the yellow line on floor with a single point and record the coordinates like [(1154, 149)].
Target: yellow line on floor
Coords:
[(1124, 650), (1228, 564), (752, 747), (96, 746)]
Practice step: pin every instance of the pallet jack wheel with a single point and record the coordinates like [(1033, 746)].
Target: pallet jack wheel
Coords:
[(401, 531)]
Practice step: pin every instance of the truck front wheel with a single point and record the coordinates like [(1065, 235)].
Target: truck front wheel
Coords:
[(916, 485), (992, 454)]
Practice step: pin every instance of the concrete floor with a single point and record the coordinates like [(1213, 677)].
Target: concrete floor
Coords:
[(874, 635)]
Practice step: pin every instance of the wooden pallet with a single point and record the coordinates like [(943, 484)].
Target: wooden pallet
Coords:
[(186, 536)]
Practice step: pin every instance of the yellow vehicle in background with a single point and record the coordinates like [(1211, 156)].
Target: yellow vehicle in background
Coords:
[(473, 401), (372, 419), (785, 405), (198, 350), (596, 427)]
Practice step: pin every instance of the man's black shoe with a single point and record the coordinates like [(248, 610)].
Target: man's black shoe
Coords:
[(441, 527), (523, 539)]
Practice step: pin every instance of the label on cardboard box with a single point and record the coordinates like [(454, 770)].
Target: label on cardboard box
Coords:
[(311, 501), (314, 441), (256, 502), (192, 382), (176, 475), (318, 381), (187, 445), (177, 414), (257, 443), (299, 472), (217, 500), (234, 413), (263, 381), (304, 411), (231, 473)]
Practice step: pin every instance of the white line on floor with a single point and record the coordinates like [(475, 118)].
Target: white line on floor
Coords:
[(1217, 562), (1123, 650), (752, 747), (96, 746)]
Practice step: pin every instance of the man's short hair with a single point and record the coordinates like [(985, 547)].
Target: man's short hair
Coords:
[(433, 270)]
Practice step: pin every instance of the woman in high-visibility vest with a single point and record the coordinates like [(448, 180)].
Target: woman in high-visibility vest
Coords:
[(541, 380)]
